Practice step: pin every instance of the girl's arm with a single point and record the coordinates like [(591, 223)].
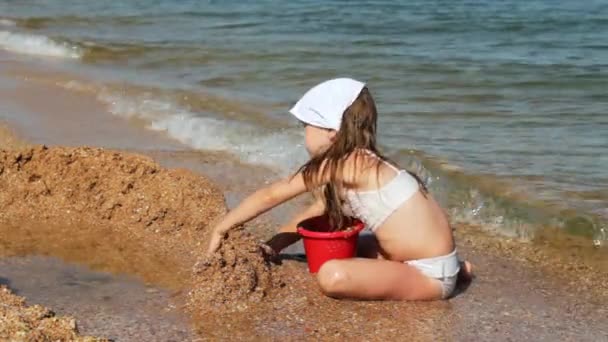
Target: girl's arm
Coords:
[(287, 234), (256, 204)]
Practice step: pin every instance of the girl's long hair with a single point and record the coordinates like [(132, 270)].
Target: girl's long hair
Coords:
[(357, 132)]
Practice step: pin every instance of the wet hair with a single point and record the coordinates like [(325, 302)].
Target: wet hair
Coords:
[(357, 132)]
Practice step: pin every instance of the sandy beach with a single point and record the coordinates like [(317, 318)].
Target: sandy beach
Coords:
[(144, 208)]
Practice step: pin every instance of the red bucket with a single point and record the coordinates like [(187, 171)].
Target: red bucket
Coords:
[(321, 244)]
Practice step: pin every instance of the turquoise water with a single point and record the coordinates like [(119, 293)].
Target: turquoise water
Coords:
[(501, 105)]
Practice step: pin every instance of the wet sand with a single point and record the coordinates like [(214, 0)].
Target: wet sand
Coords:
[(118, 307), (521, 291)]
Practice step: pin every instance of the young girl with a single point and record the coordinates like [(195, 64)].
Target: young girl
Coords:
[(411, 255)]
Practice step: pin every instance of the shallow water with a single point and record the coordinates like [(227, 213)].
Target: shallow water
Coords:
[(120, 308)]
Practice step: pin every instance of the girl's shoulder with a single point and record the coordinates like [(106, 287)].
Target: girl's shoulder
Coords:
[(366, 159), (360, 163)]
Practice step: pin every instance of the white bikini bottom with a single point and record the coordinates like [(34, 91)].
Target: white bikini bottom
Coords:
[(444, 268)]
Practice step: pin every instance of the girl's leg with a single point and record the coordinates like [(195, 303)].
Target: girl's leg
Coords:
[(362, 278)]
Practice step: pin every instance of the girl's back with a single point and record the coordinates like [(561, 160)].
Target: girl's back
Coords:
[(416, 226)]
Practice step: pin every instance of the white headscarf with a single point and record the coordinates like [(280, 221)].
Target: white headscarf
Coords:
[(324, 104)]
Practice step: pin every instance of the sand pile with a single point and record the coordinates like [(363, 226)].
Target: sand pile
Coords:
[(164, 214), (105, 186), (34, 323), (238, 274)]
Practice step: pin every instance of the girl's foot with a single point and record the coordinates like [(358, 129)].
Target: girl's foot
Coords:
[(466, 271)]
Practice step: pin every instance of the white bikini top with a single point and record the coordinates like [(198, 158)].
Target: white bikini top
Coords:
[(375, 206)]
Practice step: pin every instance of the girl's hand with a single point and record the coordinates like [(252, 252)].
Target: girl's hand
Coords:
[(214, 243)]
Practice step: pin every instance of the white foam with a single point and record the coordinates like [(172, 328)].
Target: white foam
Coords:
[(7, 22), (281, 150), (38, 45)]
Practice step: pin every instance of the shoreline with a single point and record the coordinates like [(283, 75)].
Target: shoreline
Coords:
[(552, 250)]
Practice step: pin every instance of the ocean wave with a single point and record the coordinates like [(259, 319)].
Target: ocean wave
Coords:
[(7, 22), (280, 149), (38, 45), (510, 208)]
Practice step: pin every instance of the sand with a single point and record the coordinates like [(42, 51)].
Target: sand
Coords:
[(34, 323), (236, 275), (124, 213), (117, 307)]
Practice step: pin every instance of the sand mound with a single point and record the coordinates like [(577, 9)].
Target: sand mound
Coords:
[(34, 323), (105, 186), (238, 274), (165, 211), (108, 186)]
